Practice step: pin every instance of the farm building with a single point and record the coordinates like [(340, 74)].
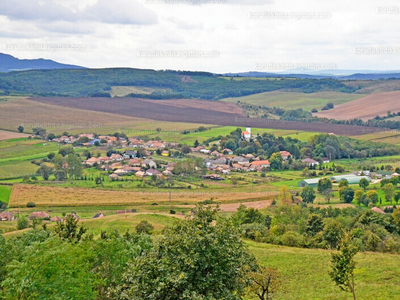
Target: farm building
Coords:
[(55, 219), (6, 216), (38, 215), (309, 182), (351, 179)]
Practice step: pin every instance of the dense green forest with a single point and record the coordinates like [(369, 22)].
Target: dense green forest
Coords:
[(98, 82)]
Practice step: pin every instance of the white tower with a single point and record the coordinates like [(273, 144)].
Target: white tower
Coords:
[(248, 129)]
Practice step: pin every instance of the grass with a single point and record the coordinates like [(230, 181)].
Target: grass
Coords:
[(305, 273), (289, 100), (216, 131), (388, 137), (5, 193)]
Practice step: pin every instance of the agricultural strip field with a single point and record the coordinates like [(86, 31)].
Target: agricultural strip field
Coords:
[(210, 113), (365, 108), (8, 135), (388, 137), (289, 100), (305, 273), (58, 119), (44, 196)]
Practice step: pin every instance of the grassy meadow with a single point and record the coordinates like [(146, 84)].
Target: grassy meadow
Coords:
[(293, 100), (305, 273)]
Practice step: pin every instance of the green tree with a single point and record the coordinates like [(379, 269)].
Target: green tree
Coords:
[(373, 196), (324, 184), (364, 183), (276, 161), (389, 190), (314, 225), (69, 229), (22, 223), (397, 197), (74, 166), (343, 183), (21, 129), (194, 259), (308, 194), (333, 232), (144, 227), (51, 136), (347, 194), (58, 162), (44, 171), (358, 196), (196, 143), (185, 149), (343, 266), (50, 269)]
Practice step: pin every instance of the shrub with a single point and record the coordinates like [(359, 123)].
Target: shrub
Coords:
[(254, 231), (154, 204), (144, 227), (292, 239), (172, 212), (22, 223), (31, 204)]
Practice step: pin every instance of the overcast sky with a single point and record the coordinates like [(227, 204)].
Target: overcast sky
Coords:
[(209, 35)]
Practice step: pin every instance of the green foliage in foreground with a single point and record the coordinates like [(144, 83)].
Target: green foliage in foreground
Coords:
[(195, 259)]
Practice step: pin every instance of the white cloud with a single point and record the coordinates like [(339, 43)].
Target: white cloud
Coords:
[(112, 12), (113, 32)]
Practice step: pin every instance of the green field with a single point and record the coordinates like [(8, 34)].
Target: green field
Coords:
[(289, 100), (191, 137), (305, 273), (5, 192)]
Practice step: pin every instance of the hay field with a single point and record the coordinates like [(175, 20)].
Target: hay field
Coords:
[(289, 100), (365, 108), (121, 91), (69, 197)]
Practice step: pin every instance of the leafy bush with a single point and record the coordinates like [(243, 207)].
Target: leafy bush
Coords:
[(144, 227), (22, 223), (31, 204)]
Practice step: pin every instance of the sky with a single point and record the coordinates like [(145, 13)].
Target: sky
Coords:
[(205, 35)]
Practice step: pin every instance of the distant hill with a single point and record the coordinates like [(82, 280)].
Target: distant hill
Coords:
[(10, 63), (334, 74)]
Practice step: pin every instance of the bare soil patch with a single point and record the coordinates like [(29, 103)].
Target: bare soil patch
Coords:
[(211, 112), (365, 108), (8, 135), (232, 207)]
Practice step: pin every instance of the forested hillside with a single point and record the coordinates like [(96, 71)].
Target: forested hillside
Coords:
[(98, 82)]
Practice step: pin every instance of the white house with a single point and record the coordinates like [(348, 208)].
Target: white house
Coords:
[(246, 135)]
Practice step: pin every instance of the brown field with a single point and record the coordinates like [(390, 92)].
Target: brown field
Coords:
[(365, 108), (58, 119), (8, 135), (66, 196), (206, 112)]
